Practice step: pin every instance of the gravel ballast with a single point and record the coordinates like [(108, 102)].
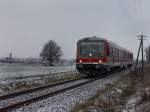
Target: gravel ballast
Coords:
[(65, 101)]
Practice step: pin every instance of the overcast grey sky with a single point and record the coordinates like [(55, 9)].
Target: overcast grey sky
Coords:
[(25, 25)]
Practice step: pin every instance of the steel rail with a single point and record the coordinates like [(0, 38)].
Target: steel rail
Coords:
[(18, 92)]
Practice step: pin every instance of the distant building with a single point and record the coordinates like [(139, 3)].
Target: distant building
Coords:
[(8, 59), (11, 59), (32, 61)]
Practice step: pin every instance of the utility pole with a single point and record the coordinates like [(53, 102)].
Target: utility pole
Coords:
[(141, 46), (137, 57)]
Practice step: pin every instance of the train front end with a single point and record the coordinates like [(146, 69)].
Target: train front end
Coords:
[(91, 56)]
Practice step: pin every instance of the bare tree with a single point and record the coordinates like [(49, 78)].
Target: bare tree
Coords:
[(51, 53)]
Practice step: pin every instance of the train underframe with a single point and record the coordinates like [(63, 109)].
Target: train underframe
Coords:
[(92, 70)]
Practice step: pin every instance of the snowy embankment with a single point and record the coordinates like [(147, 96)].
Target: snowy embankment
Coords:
[(131, 93), (139, 102), (65, 101)]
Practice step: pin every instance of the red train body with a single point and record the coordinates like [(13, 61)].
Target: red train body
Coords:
[(97, 55)]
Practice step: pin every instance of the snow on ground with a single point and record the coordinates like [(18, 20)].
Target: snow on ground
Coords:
[(138, 102), (13, 76), (65, 101), (13, 85)]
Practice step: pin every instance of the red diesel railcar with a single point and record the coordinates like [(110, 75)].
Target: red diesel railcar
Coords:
[(97, 55)]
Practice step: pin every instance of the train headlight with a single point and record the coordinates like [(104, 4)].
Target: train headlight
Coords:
[(80, 61), (100, 61)]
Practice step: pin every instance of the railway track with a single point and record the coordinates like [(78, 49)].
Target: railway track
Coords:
[(16, 99), (19, 98)]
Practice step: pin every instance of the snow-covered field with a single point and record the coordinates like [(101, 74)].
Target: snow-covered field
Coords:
[(17, 71), (65, 101), (16, 75)]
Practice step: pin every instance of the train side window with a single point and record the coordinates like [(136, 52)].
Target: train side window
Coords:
[(122, 55), (117, 54), (110, 51), (114, 52)]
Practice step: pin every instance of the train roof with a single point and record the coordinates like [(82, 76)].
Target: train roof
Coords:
[(92, 38), (110, 42), (118, 46)]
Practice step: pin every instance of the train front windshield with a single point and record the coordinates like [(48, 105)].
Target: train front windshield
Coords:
[(91, 49)]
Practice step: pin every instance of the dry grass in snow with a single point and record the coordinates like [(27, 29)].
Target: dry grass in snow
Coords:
[(131, 93)]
